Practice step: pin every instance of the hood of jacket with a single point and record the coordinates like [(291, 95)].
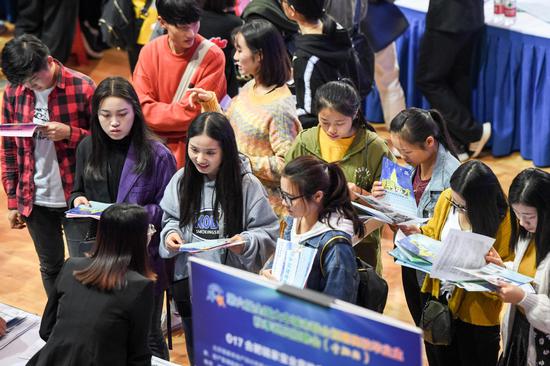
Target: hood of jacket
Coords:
[(334, 222), (333, 46)]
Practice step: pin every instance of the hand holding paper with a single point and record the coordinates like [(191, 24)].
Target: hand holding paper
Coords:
[(55, 131), (510, 293), (494, 257), (173, 242), (239, 244)]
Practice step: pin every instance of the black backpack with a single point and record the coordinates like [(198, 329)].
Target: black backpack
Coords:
[(118, 23), (373, 289)]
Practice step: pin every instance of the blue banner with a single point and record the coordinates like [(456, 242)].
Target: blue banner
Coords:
[(241, 319)]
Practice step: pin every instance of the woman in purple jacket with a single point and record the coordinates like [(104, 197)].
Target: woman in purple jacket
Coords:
[(122, 161)]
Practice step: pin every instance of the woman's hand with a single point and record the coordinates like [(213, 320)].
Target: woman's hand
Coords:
[(378, 190), (268, 273), (410, 229), (494, 257), (81, 200), (173, 242), (510, 293), (354, 189), (237, 249), (198, 95)]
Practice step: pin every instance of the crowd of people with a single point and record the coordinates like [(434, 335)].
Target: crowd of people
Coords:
[(180, 164)]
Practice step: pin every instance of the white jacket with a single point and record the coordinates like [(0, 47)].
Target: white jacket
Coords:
[(536, 306)]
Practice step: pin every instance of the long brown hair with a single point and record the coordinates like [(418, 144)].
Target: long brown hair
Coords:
[(121, 245), (311, 175)]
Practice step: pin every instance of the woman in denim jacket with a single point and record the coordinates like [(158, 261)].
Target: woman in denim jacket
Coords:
[(422, 139), (317, 198)]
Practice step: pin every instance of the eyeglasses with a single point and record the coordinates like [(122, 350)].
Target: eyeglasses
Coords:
[(456, 206), (287, 198)]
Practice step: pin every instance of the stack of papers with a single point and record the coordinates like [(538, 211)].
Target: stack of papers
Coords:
[(18, 322), (460, 260), (292, 263), (94, 210), (207, 245)]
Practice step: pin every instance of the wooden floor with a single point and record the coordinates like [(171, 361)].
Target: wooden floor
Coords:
[(19, 275)]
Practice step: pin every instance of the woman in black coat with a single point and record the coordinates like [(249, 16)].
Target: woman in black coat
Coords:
[(100, 310)]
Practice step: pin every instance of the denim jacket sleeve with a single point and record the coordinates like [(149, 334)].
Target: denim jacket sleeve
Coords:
[(340, 277)]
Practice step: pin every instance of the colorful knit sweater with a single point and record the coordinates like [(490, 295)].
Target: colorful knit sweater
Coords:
[(265, 127)]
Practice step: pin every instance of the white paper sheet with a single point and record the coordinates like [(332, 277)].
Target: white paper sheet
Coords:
[(463, 250)]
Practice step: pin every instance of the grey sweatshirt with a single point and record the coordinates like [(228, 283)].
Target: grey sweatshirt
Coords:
[(261, 225)]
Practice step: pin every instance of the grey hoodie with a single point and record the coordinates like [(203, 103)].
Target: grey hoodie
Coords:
[(260, 223)]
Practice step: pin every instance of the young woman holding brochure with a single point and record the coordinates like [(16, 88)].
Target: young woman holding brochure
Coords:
[(526, 322), (422, 140), (322, 217), (123, 162), (344, 138), (476, 203), (215, 196)]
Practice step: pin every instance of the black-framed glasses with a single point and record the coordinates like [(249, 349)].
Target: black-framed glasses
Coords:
[(287, 198), (456, 206)]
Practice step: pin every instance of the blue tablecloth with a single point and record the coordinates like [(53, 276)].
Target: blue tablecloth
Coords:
[(512, 88)]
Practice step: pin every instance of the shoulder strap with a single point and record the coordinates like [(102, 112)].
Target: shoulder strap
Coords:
[(192, 66), (328, 245)]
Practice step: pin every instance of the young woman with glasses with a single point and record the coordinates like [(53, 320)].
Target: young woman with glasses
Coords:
[(476, 203), (316, 196)]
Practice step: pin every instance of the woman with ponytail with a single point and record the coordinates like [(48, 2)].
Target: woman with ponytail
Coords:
[(316, 196), (422, 139), (343, 137)]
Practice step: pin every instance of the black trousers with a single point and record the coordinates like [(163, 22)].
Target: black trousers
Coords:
[(412, 293), (53, 21), (472, 345), (444, 75), (46, 228), (182, 297)]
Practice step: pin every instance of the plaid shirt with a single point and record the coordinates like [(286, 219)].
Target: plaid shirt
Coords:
[(69, 103)]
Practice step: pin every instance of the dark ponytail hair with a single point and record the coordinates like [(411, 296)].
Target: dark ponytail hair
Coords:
[(342, 96), (415, 125), (311, 175), (485, 201), (229, 192), (530, 188)]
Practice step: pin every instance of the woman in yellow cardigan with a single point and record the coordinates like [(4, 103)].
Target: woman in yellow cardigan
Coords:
[(475, 202)]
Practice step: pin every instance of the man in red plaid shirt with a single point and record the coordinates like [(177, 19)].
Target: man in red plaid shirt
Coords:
[(38, 172)]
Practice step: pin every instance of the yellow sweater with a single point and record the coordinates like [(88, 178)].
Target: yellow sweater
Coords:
[(478, 308), (333, 150)]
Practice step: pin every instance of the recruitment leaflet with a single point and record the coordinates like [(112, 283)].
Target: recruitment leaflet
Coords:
[(397, 182), (240, 318)]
